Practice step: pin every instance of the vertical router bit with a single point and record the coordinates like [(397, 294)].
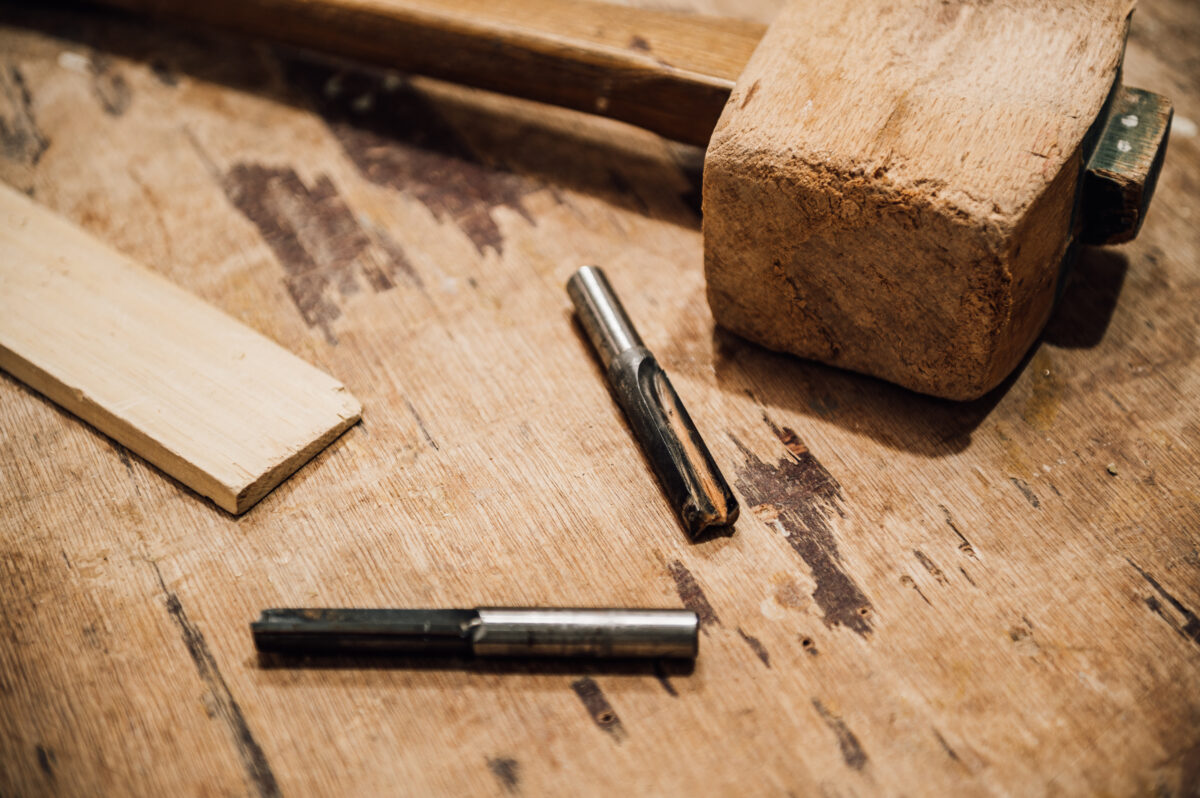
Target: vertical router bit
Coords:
[(686, 470), (482, 632)]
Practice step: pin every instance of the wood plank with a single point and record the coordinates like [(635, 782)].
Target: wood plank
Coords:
[(211, 402)]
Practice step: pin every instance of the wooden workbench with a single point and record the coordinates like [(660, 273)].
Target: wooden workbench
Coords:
[(921, 597)]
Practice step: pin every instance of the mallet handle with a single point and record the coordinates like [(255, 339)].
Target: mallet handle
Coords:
[(666, 72)]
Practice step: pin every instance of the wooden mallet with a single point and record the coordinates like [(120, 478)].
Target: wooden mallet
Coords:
[(891, 186)]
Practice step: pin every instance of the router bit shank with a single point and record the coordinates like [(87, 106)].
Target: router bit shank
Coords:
[(482, 632), (682, 462)]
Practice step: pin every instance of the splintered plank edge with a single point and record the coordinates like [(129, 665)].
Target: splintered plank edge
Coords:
[(209, 401)]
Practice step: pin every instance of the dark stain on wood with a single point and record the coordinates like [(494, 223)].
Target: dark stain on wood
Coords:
[(1182, 620), (45, 759), (852, 750), (507, 772), (163, 73), (324, 252), (930, 566), (692, 595), (638, 43), (220, 700), (964, 545), (1026, 491), (660, 673), (801, 494), (399, 139), (20, 138), (756, 646), (594, 701), (109, 86)]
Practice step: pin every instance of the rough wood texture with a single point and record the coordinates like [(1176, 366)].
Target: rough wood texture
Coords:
[(208, 400), (891, 187), (666, 72), (1030, 615)]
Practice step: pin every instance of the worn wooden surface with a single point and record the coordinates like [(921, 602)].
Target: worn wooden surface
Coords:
[(921, 597)]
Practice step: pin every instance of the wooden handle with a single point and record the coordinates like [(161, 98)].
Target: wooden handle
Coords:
[(668, 73)]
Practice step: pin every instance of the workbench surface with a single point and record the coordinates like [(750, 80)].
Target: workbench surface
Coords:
[(921, 597)]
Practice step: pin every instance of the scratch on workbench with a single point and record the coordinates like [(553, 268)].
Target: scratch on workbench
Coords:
[(421, 424), (950, 752), (46, 759), (598, 707), (930, 566), (507, 772), (965, 545), (797, 494), (404, 143), (756, 646), (258, 770), (1187, 625), (109, 86), (692, 595), (20, 138), (909, 582), (1026, 491), (852, 750)]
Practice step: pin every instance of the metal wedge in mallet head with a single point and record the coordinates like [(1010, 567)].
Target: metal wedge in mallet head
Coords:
[(685, 468)]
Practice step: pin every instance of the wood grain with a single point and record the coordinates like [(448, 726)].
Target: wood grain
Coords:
[(209, 401), (920, 597)]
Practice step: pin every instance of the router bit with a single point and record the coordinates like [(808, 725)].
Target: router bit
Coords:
[(481, 632), (686, 470)]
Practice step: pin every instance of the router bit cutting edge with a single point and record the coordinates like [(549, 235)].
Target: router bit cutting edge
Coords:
[(685, 468)]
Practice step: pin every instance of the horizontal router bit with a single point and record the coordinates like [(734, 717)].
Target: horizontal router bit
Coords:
[(482, 632), (686, 470)]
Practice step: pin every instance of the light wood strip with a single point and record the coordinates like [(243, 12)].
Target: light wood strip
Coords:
[(208, 400)]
